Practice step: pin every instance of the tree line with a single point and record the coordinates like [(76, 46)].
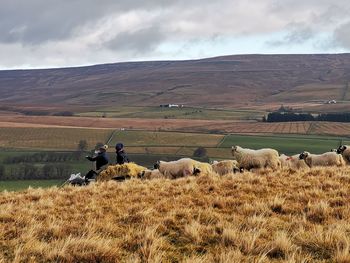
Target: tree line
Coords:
[(44, 157), (41, 165), (29, 171), (291, 116)]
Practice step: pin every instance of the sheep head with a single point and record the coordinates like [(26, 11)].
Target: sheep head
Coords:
[(234, 149), (196, 171), (156, 165), (303, 155), (341, 149)]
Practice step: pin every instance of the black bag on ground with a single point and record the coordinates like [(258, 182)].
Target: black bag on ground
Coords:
[(91, 175)]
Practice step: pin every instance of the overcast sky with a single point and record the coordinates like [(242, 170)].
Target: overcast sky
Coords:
[(56, 33)]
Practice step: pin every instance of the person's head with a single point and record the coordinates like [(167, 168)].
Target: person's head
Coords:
[(119, 146), (103, 148)]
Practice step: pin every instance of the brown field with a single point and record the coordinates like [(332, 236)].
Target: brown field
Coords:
[(50, 138), (185, 125), (285, 216), (91, 122)]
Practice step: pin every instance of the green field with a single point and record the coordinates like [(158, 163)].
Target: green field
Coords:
[(286, 144), (175, 113), (24, 184)]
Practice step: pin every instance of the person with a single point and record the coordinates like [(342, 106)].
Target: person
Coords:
[(121, 157), (101, 161)]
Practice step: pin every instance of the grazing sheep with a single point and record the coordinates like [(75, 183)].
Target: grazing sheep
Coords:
[(344, 150), (152, 174), (225, 167), (292, 162), (325, 159), (204, 168), (262, 158), (175, 169)]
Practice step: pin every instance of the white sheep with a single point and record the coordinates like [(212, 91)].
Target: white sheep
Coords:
[(175, 169), (262, 158), (344, 150), (325, 159), (152, 174), (225, 167), (292, 162)]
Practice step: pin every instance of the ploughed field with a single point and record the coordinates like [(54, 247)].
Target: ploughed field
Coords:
[(180, 125), (289, 216)]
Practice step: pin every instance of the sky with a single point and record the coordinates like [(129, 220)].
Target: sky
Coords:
[(65, 33)]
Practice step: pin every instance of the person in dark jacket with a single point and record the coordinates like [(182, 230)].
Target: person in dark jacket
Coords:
[(121, 157), (101, 161)]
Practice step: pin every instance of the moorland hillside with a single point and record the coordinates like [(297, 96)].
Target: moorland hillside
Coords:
[(289, 216), (228, 81)]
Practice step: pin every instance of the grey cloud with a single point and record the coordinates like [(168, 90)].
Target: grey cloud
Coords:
[(37, 21), (298, 34), (341, 36), (141, 41)]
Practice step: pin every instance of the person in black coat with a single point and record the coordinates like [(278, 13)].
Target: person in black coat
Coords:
[(101, 160), (121, 157)]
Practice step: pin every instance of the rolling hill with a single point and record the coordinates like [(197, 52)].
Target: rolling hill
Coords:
[(228, 81)]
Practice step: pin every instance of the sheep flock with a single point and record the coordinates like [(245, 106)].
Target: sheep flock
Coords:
[(243, 159)]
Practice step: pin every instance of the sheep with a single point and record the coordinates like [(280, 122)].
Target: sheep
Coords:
[(204, 168), (344, 150), (152, 174), (325, 159), (175, 169), (292, 162), (262, 158), (225, 167)]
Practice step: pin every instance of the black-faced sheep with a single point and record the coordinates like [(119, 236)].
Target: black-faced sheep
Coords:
[(152, 174), (344, 150), (203, 168), (292, 162), (250, 159), (325, 159), (225, 167)]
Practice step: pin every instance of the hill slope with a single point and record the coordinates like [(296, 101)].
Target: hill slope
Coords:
[(222, 81), (284, 216)]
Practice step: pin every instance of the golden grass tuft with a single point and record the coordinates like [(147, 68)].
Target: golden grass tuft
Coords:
[(264, 217)]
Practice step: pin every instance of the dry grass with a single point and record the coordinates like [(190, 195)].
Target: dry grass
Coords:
[(285, 216)]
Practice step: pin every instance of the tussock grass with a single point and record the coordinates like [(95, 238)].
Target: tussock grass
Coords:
[(283, 216)]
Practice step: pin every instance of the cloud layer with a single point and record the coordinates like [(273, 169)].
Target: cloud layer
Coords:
[(50, 33)]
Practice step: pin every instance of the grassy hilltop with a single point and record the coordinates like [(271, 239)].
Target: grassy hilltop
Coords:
[(282, 216)]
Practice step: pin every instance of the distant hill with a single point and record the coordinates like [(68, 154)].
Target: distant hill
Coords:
[(226, 81)]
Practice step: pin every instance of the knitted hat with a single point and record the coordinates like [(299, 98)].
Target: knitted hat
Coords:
[(119, 146)]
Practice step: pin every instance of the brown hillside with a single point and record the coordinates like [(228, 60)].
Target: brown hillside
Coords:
[(228, 81), (284, 216)]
